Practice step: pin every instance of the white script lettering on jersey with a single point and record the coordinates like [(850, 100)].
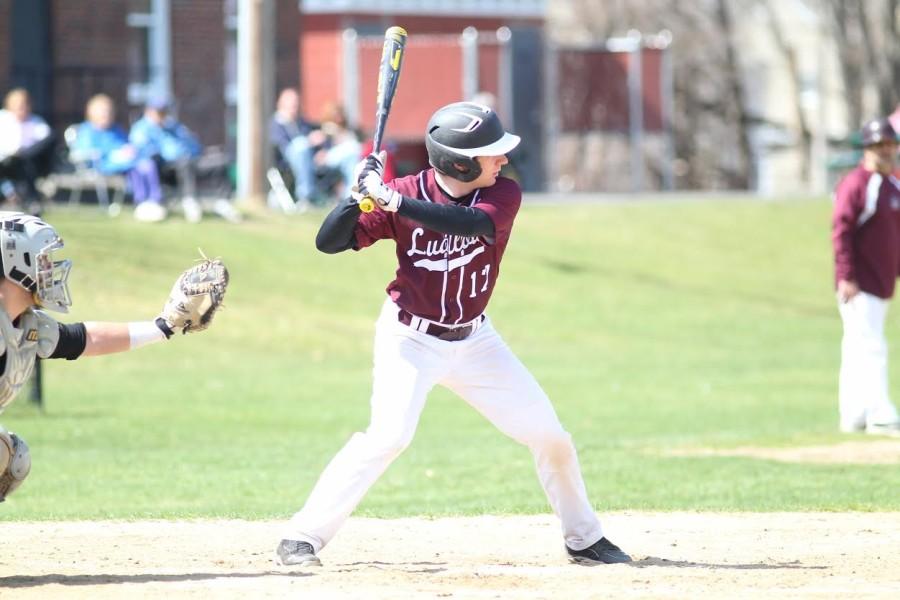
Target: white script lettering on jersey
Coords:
[(449, 245)]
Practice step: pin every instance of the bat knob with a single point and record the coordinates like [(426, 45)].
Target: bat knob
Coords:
[(367, 204)]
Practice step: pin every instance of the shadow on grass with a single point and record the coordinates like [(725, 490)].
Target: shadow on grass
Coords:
[(653, 561), (25, 581)]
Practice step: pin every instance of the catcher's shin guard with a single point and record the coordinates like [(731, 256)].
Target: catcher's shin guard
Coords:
[(15, 462)]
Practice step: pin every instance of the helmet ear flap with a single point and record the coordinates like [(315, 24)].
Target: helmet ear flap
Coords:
[(466, 170), (451, 163)]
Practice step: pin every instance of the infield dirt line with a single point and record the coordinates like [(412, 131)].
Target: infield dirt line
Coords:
[(680, 555)]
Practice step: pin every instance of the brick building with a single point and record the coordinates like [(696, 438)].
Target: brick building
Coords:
[(65, 51), (455, 49)]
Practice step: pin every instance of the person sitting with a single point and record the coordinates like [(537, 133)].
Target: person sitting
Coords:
[(160, 136), (106, 148), (341, 151), (26, 148), (296, 140)]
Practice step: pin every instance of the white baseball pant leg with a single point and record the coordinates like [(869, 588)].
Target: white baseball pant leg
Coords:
[(487, 375), (863, 387), (406, 367)]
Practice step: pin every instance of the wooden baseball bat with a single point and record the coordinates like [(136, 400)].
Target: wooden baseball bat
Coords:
[(388, 74)]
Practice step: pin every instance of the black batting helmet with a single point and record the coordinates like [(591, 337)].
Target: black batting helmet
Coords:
[(459, 132), (877, 131)]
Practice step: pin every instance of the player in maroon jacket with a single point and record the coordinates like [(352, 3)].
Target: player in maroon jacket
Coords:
[(450, 224), (866, 239)]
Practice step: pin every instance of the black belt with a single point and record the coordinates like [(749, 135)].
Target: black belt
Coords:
[(448, 334)]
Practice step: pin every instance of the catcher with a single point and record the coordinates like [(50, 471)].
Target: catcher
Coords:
[(32, 280)]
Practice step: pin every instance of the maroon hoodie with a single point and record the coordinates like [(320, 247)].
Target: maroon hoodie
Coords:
[(865, 231)]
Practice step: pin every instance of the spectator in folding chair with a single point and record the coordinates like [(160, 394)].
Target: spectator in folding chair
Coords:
[(342, 149), (26, 151), (296, 141), (160, 136), (105, 147)]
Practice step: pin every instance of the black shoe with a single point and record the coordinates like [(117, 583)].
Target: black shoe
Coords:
[(602, 552), (293, 552)]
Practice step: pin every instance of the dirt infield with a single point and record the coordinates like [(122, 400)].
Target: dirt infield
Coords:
[(681, 555)]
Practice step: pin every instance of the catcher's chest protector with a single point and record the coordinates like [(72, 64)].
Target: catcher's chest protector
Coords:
[(20, 347)]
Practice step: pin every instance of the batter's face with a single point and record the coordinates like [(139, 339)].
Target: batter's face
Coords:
[(490, 170)]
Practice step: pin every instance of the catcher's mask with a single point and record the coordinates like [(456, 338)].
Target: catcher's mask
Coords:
[(459, 132), (27, 245)]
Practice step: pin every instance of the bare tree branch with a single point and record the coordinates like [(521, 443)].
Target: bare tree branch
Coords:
[(790, 57), (747, 171)]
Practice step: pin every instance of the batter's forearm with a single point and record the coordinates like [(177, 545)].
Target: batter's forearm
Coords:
[(336, 233), (448, 218)]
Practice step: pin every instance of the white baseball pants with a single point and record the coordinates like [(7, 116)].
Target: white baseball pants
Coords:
[(863, 387), (486, 374)]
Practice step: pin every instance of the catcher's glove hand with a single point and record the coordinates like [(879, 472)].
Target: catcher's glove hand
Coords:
[(195, 298)]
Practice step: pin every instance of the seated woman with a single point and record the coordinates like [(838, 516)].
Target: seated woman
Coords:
[(26, 148), (342, 148), (106, 147)]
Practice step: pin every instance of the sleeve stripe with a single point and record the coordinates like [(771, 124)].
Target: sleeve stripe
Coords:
[(872, 189)]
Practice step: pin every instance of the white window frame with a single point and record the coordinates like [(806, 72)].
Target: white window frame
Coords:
[(230, 90)]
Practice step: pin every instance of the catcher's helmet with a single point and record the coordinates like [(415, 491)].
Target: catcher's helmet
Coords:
[(26, 256), (877, 131), (459, 132)]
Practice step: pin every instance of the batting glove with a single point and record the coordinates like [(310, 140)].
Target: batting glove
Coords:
[(387, 199), (355, 194), (371, 163)]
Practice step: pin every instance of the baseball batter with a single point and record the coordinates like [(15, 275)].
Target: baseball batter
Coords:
[(32, 280), (451, 225)]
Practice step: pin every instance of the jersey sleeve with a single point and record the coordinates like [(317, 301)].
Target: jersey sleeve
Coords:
[(371, 227), (848, 204), (378, 224), (501, 202)]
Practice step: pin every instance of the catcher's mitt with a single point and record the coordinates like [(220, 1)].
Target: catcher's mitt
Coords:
[(195, 298)]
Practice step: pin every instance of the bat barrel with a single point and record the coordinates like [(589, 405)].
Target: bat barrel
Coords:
[(396, 33)]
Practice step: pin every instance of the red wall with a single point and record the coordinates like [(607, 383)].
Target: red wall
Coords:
[(593, 90), (431, 76), (321, 70), (432, 67)]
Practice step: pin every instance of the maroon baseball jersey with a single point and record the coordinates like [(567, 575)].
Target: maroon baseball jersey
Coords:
[(442, 277), (865, 231)]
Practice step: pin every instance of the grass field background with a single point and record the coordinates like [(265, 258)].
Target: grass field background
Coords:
[(653, 326)]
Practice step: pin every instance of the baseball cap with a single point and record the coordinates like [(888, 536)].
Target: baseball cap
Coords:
[(159, 101), (877, 131)]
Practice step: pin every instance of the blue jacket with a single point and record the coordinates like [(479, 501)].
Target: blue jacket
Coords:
[(104, 149), (282, 132), (170, 141)]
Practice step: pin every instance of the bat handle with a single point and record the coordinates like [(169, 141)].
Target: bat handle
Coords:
[(367, 204)]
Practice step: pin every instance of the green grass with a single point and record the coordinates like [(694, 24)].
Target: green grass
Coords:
[(652, 326)]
